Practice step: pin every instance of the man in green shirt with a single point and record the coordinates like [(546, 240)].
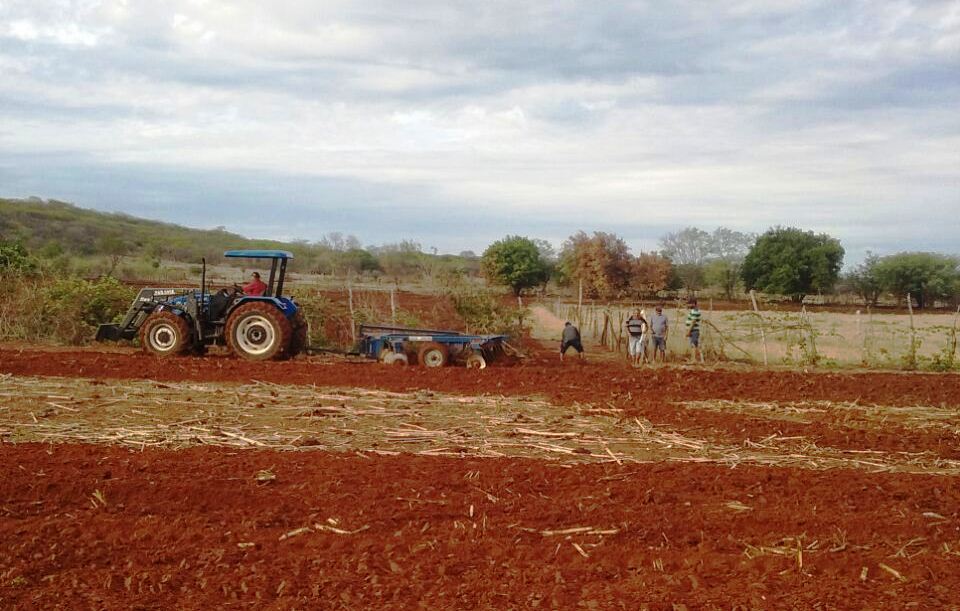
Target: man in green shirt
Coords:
[(693, 330)]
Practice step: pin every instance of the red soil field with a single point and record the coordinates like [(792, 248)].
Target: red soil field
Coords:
[(104, 527), (107, 527)]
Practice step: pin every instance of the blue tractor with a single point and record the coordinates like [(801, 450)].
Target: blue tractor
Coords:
[(176, 321)]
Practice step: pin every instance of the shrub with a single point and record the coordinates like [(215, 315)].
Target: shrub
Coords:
[(60, 309), (72, 308), (483, 310), (14, 259)]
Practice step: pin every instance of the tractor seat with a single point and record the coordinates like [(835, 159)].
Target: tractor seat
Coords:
[(219, 302)]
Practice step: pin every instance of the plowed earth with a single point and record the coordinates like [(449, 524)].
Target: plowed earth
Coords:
[(102, 526)]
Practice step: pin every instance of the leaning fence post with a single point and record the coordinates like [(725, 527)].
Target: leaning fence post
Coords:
[(953, 344), (763, 335), (353, 322)]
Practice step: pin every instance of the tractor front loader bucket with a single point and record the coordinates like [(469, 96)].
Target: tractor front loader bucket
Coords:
[(109, 333)]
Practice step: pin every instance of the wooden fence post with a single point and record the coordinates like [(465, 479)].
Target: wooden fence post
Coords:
[(953, 346), (580, 305), (763, 335), (393, 307), (913, 333), (353, 322), (703, 332)]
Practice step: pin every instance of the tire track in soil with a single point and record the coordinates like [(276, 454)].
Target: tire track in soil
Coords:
[(647, 393), (195, 528)]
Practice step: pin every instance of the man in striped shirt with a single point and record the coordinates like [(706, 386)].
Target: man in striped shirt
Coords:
[(637, 338), (693, 330)]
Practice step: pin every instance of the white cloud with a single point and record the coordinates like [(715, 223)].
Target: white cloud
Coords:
[(747, 114), (68, 34)]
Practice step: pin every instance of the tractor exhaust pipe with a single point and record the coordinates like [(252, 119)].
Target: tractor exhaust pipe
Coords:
[(203, 287)]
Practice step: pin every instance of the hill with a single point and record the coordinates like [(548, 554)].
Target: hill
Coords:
[(50, 228)]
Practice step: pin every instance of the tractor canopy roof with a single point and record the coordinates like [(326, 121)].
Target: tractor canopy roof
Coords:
[(259, 254)]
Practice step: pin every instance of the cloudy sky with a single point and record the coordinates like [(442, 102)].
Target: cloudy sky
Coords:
[(454, 123)]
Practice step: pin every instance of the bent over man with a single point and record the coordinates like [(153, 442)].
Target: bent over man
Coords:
[(571, 339)]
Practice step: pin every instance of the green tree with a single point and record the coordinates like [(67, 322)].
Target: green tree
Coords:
[(690, 276), (925, 275), (724, 274), (114, 247), (790, 261), (400, 259), (515, 261), (356, 260), (865, 280), (550, 259)]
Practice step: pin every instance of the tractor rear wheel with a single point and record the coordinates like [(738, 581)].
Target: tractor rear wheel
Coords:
[(259, 331), (433, 355), (165, 334)]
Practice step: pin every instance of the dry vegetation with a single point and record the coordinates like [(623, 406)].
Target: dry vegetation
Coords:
[(263, 415)]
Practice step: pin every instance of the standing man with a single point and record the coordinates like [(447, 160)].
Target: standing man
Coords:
[(571, 339), (659, 328), (693, 330), (637, 337)]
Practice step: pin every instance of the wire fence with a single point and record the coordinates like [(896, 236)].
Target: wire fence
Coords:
[(861, 338)]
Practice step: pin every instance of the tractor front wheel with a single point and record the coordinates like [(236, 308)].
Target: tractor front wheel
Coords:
[(165, 334), (259, 331)]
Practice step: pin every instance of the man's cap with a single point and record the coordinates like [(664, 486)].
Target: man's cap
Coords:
[(567, 324), (659, 307)]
